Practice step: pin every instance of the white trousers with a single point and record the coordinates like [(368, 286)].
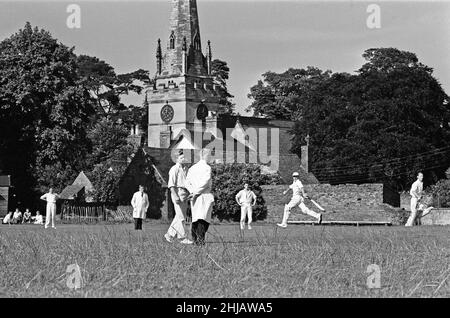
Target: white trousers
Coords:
[(50, 214), (246, 211), (413, 215), (177, 226), (298, 200)]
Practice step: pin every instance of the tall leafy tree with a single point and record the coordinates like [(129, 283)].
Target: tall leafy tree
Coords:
[(221, 73), (107, 87), (383, 123), (282, 96), (43, 111), (109, 157)]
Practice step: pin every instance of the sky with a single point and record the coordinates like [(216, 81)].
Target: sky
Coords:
[(253, 37)]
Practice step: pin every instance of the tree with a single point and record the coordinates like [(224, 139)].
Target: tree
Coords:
[(44, 112), (107, 87), (109, 158), (282, 96), (228, 180), (441, 193), (221, 71), (382, 124)]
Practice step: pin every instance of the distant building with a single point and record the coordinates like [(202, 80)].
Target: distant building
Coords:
[(80, 190), (149, 167), (5, 186), (183, 102)]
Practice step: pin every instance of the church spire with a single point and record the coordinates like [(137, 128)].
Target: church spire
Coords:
[(184, 36), (184, 23)]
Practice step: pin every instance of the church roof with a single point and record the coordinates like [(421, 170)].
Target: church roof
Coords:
[(226, 120)]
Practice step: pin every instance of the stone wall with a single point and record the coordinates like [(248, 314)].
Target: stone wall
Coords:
[(346, 202), (4, 196), (437, 217), (405, 201)]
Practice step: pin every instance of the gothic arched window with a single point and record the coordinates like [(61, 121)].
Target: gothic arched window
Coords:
[(196, 41), (172, 41)]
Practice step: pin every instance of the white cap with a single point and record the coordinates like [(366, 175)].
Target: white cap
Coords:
[(295, 174)]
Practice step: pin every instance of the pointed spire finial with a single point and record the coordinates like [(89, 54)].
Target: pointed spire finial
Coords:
[(159, 57), (209, 50)]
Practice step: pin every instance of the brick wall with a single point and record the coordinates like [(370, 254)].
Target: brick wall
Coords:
[(346, 202)]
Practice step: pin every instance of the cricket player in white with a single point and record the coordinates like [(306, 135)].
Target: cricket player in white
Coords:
[(416, 194), (179, 194), (140, 204), (246, 198), (51, 198), (199, 183), (298, 195)]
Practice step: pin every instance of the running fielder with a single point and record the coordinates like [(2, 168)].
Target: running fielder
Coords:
[(416, 194), (298, 195)]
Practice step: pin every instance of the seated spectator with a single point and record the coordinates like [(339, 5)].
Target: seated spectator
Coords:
[(26, 216), (17, 217), (38, 219), (7, 219)]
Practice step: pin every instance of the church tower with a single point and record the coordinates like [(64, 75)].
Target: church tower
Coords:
[(184, 93)]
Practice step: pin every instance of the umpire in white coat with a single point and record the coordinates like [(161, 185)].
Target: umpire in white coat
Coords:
[(140, 205), (199, 183)]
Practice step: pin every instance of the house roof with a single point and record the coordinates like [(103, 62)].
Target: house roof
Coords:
[(71, 191), (289, 163), (162, 162), (81, 179), (5, 181)]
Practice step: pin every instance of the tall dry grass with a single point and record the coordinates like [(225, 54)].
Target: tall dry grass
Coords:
[(301, 261)]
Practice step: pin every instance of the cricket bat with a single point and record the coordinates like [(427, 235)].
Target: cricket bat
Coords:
[(317, 205)]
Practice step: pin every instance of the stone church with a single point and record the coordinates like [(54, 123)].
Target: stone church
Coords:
[(183, 110)]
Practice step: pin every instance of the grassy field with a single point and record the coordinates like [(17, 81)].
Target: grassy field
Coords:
[(300, 261)]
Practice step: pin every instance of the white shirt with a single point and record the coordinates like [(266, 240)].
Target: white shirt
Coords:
[(177, 176), (39, 219), (416, 188), (296, 187), (7, 218), (50, 198), (17, 214), (140, 204), (245, 196)]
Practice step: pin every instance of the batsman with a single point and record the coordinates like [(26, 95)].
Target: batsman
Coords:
[(298, 196)]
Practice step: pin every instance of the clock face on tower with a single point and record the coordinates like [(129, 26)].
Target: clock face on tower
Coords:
[(202, 111), (167, 113)]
